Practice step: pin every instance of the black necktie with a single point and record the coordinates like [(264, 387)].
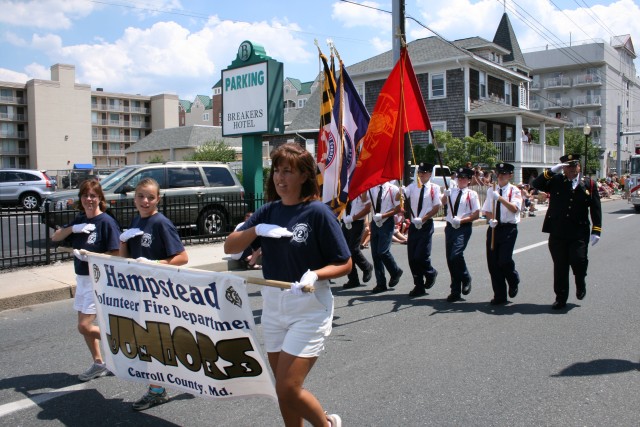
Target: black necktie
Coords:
[(349, 207), (420, 202), (498, 208), (379, 201), (456, 205)]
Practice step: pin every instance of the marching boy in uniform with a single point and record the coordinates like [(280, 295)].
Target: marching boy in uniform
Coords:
[(424, 203), (463, 209), (505, 202)]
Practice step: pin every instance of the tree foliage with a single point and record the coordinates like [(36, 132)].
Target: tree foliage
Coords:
[(457, 152), (216, 151), (156, 158), (574, 143)]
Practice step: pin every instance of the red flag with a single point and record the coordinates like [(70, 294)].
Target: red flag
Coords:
[(399, 109)]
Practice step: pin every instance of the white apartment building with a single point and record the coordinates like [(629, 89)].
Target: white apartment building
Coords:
[(58, 123), (584, 84)]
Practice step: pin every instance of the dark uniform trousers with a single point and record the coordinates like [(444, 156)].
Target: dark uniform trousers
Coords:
[(419, 252), (567, 253), (353, 237), (502, 268), (455, 243), (381, 251)]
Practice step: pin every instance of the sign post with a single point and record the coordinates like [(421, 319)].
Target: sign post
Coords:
[(252, 105)]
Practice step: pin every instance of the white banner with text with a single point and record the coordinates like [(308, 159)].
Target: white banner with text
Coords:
[(187, 329)]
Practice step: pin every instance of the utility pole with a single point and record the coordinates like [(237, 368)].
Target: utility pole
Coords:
[(397, 35)]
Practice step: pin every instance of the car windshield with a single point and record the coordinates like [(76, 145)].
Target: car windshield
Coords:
[(115, 178)]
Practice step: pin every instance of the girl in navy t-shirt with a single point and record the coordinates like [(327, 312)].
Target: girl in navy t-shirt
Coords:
[(302, 243)]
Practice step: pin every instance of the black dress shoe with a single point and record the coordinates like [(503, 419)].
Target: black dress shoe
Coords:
[(350, 285), (379, 289), (466, 288), (393, 281), (366, 276), (513, 291), (496, 301), (581, 293), (417, 291), (558, 305), (430, 281), (453, 298)]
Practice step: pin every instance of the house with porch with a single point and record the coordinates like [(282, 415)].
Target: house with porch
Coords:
[(468, 85)]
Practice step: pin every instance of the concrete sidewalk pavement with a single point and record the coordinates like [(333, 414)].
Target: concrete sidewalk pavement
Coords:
[(36, 285)]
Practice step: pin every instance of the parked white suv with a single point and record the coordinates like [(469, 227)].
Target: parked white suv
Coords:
[(26, 187)]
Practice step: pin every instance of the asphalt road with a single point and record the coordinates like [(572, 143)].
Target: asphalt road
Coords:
[(391, 360)]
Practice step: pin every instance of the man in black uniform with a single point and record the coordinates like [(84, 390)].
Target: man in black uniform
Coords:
[(572, 197)]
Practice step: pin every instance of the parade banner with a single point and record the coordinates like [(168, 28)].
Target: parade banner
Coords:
[(186, 329)]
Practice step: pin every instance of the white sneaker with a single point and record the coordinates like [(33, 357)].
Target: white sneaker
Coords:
[(334, 420), (96, 370)]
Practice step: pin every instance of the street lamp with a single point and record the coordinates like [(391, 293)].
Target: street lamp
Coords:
[(587, 131)]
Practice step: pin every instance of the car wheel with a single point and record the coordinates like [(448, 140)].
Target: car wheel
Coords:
[(212, 221), (30, 201)]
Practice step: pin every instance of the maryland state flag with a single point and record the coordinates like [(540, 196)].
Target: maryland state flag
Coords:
[(347, 130), (399, 109), (326, 112)]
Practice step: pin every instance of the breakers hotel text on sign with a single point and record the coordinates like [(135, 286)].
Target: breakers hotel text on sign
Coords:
[(244, 100), (188, 329)]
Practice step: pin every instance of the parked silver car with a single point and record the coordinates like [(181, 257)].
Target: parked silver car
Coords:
[(26, 187), (205, 195)]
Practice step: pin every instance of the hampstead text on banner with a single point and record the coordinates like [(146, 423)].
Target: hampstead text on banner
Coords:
[(187, 329)]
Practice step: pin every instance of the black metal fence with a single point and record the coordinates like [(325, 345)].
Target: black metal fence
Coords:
[(25, 240)]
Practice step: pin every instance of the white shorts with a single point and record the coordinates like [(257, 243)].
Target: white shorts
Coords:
[(84, 302), (297, 324)]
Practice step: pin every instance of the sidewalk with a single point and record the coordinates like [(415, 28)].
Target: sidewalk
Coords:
[(40, 284)]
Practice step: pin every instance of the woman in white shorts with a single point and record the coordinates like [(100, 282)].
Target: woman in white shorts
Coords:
[(301, 243), (95, 231)]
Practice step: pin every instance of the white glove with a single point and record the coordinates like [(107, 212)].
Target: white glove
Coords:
[(296, 288), (272, 230), (594, 239), (308, 279), (128, 234), (80, 255), (493, 223), (83, 228), (417, 222), (141, 258), (377, 218), (347, 219), (557, 168), (455, 222), (447, 193)]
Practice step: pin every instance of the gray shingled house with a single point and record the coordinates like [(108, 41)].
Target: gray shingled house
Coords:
[(468, 85)]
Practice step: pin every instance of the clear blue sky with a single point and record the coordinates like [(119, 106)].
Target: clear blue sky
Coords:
[(154, 46)]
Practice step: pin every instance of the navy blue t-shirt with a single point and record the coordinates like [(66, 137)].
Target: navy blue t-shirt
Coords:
[(159, 241), (105, 238), (317, 239)]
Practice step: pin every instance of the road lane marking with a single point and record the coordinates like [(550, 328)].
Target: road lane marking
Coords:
[(626, 216), (526, 248), (37, 399)]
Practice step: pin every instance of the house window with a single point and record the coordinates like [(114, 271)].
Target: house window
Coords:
[(441, 126), (301, 102), (436, 86), (507, 93), (205, 117), (217, 91), (483, 84), (360, 90)]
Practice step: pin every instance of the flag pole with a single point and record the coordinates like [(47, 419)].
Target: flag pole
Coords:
[(444, 178)]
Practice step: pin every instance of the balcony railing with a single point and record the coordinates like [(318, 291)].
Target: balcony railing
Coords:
[(558, 103), (119, 108), (593, 121), (115, 138), (11, 100), (588, 101), (531, 153), (588, 80), (119, 153), (536, 105), (13, 116), (14, 151), (557, 83), (14, 134)]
